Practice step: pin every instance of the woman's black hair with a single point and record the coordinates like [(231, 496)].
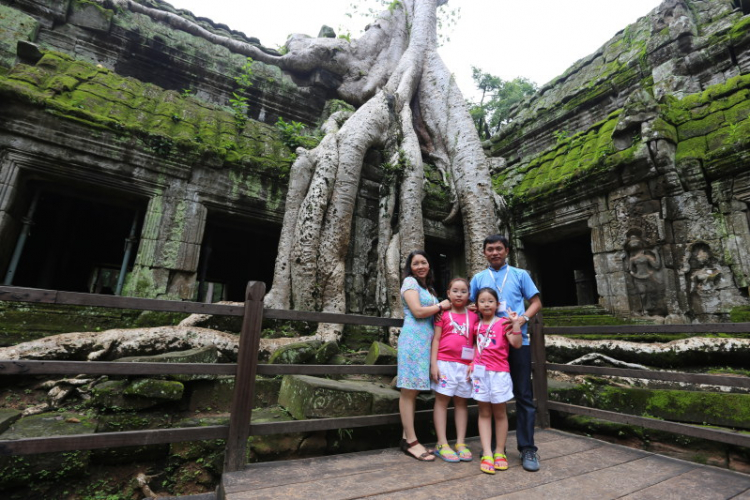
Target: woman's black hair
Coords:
[(429, 280), (488, 290)]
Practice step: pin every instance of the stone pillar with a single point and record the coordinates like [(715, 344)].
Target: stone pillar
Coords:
[(9, 225), (167, 261)]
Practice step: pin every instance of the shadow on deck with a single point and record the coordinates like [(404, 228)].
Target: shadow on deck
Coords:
[(573, 467)]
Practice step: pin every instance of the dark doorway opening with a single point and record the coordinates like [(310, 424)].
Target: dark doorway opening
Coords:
[(565, 270), (235, 251), (77, 240), (447, 262)]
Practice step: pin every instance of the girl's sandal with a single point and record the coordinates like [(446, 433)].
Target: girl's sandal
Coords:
[(487, 465), (501, 461), (445, 452), (464, 453)]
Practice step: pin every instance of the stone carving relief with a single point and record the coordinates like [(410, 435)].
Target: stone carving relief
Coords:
[(703, 278), (644, 265)]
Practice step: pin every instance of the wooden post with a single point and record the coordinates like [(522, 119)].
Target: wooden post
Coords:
[(244, 381), (539, 371)]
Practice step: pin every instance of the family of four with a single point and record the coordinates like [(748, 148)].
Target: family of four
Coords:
[(474, 344)]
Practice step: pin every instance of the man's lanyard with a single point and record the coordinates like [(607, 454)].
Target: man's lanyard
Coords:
[(483, 342), (502, 286), (462, 330)]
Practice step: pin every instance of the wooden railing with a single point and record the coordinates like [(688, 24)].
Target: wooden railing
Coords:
[(247, 367), (544, 405)]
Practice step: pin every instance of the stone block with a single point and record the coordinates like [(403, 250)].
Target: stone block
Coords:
[(326, 352), (216, 395), (312, 397), (208, 354), (381, 354), (131, 422), (295, 354), (162, 390), (20, 470), (109, 396), (7, 417), (90, 16)]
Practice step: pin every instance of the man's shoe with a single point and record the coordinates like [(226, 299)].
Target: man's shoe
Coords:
[(530, 460)]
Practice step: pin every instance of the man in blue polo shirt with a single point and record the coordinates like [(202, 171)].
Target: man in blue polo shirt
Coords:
[(514, 286)]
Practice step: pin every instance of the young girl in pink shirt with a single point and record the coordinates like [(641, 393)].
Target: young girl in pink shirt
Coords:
[(452, 351), (490, 375)]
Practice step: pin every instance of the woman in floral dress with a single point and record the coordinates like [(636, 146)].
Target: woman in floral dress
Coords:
[(420, 305)]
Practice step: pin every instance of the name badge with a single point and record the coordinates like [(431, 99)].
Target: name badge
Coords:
[(479, 370), (467, 353), (502, 306)]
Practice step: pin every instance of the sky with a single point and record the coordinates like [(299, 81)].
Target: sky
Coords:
[(537, 39)]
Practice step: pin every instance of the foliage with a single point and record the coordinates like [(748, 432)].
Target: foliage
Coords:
[(238, 101), (294, 135), (498, 98)]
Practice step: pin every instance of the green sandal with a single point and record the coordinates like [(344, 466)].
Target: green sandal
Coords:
[(501, 461), (445, 452), (487, 465), (464, 453)]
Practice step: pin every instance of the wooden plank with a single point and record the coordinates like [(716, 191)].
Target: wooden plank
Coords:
[(327, 369), (539, 369), (604, 482), (319, 317), (244, 387), (35, 295), (35, 367), (31, 446), (635, 329), (695, 378), (324, 424), (706, 483), (651, 423)]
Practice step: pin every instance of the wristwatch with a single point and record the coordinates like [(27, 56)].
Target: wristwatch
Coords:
[(526, 318)]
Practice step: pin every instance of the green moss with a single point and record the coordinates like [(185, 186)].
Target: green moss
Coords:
[(166, 123), (740, 314)]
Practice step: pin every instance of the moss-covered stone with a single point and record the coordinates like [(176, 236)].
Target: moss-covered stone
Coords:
[(313, 397), (22, 469), (381, 354), (14, 26), (740, 314), (109, 396), (726, 410), (163, 390), (326, 352), (208, 354), (7, 417), (295, 354)]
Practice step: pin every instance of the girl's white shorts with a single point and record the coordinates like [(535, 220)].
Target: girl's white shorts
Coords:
[(492, 387), (453, 379)]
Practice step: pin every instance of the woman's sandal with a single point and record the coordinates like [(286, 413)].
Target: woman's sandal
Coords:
[(445, 452), (487, 465), (464, 453), (424, 457), (501, 461)]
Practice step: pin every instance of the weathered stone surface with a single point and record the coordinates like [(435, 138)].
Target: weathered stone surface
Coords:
[(293, 354), (7, 417), (90, 16), (327, 351), (163, 390), (381, 354), (109, 396), (208, 354), (217, 395), (19, 470), (16, 26), (312, 397), (119, 422)]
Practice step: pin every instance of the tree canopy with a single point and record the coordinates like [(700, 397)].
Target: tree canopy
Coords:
[(497, 99)]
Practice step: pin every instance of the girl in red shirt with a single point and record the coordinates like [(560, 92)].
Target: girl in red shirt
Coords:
[(452, 351)]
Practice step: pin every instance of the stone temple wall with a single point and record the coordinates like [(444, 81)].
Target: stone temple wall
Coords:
[(103, 109), (642, 149), (626, 178)]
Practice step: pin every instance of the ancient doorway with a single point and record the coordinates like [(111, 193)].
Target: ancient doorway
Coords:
[(565, 270), (448, 262), (78, 239), (234, 251)]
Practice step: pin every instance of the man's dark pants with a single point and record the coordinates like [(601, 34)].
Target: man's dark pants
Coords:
[(520, 373)]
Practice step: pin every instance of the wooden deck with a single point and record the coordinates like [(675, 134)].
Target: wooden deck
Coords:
[(573, 467)]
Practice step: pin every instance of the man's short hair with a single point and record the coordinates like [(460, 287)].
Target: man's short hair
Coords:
[(496, 238)]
